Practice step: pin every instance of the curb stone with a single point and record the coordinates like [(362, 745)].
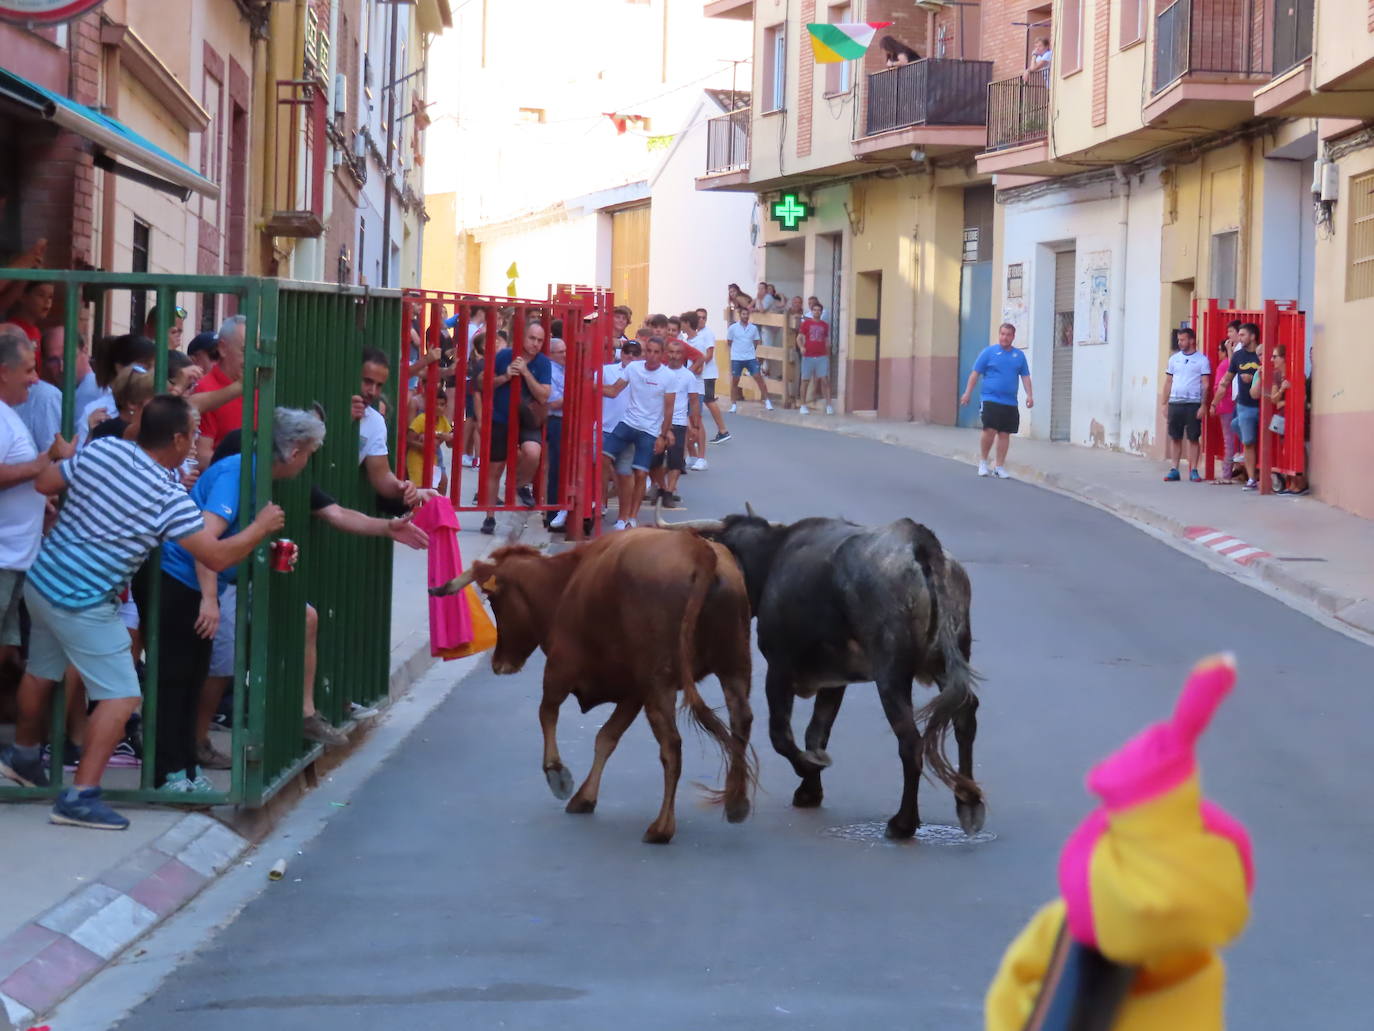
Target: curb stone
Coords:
[(1356, 613), (48, 958)]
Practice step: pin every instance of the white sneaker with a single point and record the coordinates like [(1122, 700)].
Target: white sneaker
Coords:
[(620, 524), (829, 409), (1002, 474), (467, 461), (734, 408), (630, 524), (558, 521), (982, 468), (804, 410), (700, 466), (767, 405)]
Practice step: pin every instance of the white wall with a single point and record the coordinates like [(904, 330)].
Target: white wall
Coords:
[(562, 250), (698, 239), (1088, 220)]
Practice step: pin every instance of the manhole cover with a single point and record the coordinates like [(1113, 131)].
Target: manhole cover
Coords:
[(875, 833)]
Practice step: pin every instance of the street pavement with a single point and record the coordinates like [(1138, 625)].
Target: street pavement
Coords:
[(453, 891)]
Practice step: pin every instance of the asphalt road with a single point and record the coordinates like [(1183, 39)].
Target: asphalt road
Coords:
[(455, 893)]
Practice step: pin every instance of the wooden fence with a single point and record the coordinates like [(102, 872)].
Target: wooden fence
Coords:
[(781, 363)]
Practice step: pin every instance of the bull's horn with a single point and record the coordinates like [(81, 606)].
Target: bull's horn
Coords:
[(749, 510), (455, 585), (687, 524)]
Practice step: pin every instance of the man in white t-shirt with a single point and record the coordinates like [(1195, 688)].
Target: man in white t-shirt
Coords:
[(1186, 379), (373, 454), (744, 342), (705, 342), (647, 424), (21, 506), (613, 411), (670, 463)]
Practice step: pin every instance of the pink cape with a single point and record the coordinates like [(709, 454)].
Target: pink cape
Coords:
[(450, 622)]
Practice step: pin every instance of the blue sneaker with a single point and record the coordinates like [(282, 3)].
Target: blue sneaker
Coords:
[(1194, 476), (1172, 476), (84, 808), (31, 773)]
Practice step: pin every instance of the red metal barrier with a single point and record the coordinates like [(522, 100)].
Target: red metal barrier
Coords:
[(1280, 323), (585, 314)]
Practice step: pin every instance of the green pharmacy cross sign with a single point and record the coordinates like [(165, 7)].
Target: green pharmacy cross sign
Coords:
[(790, 212)]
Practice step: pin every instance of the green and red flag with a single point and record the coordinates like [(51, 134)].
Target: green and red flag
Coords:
[(843, 42)]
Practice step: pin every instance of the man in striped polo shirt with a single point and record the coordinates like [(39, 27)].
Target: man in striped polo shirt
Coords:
[(123, 500)]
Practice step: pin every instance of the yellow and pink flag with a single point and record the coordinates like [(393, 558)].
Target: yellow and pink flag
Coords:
[(842, 42)]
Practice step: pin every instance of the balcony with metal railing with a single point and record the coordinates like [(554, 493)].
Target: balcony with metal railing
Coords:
[(727, 150), (1209, 56), (1018, 112), (935, 105), (1296, 90)]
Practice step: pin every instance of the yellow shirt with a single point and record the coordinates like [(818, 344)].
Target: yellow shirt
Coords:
[(415, 456)]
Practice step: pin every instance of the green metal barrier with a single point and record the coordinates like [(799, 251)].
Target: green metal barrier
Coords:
[(303, 345)]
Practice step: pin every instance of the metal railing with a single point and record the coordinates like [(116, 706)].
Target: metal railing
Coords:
[(727, 141), (1292, 33), (932, 91), (1209, 37), (303, 345), (1018, 112), (298, 160)]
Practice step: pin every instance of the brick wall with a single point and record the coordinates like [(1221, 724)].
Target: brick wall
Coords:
[(1003, 42), (806, 80), (1102, 17), (908, 25)]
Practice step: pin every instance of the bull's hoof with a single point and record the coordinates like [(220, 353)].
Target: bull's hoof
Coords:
[(807, 797), (899, 831), (971, 816), (737, 811), (560, 781), (579, 806), (654, 836)]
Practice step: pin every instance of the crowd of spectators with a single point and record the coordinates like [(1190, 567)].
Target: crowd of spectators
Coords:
[(144, 471)]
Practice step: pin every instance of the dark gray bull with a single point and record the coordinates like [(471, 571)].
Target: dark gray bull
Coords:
[(839, 604)]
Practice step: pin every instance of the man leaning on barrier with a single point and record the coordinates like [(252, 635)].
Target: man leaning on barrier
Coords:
[(121, 502)]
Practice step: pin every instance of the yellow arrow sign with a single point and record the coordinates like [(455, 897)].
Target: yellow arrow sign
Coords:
[(510, 288), (512, 272)]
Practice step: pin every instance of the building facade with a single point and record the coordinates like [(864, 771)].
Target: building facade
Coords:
[(549, 167), (1165, 154)]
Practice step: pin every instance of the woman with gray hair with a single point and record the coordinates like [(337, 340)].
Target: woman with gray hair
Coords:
[(189, 612)]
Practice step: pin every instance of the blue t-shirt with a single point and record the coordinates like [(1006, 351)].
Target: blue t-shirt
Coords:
[(540, 367), (1000, 371), (217, 492)]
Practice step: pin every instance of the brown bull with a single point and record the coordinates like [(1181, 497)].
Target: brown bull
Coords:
[(631, 619)]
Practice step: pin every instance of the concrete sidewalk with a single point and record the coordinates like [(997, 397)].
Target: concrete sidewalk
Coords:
[(74, 900), (1300, 546)]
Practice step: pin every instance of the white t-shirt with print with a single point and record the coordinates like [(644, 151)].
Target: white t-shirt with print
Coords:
[(21, 506), (1187, 371), (644, 410), (613, 408), (371, 435)]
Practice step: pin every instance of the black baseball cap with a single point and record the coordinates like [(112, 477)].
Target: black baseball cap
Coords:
[(204, 342)]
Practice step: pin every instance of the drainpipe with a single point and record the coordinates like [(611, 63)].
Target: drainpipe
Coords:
[(1116, 384), (390, 141), (1244, 243), (108, 208)]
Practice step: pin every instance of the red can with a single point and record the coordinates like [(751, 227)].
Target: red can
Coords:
[(284, 555)]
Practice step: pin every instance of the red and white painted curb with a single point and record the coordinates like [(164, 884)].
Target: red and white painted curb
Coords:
[(46, 960), (1225, 545)]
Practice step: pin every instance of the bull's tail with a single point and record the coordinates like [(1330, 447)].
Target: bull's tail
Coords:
[(956, 694), (741, 769)]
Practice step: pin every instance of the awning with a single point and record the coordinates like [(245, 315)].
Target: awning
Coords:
[(114, 136)]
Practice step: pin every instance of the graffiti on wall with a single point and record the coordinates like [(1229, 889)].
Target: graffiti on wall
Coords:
[(1096, 284)]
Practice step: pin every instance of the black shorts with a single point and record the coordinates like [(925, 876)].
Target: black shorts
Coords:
[(709, 393), (1183, 419), (676, 452), (500, 431), (1002, 418)]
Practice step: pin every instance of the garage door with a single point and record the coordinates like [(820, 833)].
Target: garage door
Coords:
[(630, 259)]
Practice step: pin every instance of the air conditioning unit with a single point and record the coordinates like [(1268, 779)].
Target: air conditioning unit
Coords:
[(340, 95)]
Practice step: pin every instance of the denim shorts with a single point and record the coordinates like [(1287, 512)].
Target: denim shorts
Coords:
[(1247, 423), (93, 640), (222, 650), (624, 435), (750, 365), (815, 367)]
